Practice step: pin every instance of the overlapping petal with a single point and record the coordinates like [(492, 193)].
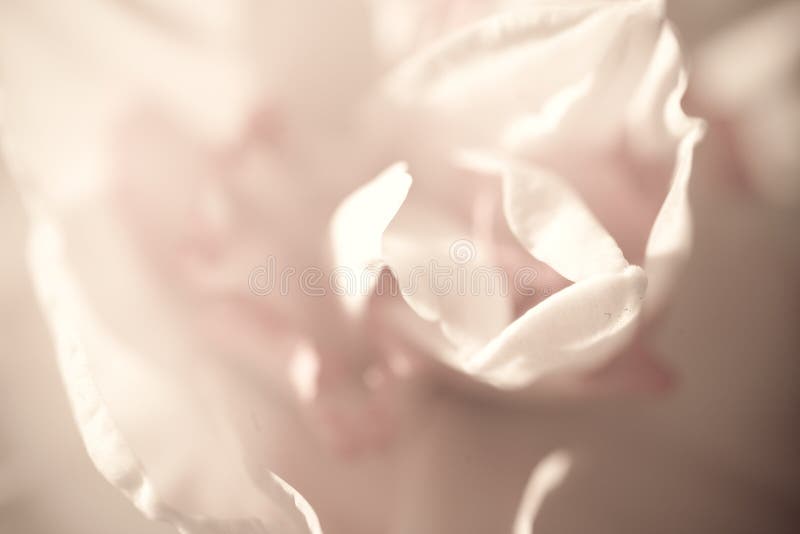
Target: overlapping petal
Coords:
[(594, 150), (98, 370)]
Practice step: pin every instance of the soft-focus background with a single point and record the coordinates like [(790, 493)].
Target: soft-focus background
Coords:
[(720, 455)]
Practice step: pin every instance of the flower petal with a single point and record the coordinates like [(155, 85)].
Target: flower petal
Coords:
[(508, 68), (553, 223), (671, 236), (578, 328), (96, 369), (548, 474), (444, 269), (357, 229)]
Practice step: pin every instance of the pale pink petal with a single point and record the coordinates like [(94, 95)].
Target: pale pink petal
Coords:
[(554, 224), (121, 400), (670, 240), (596, 116), (436, 254), (501, 70), (357, 229), (576, 329)]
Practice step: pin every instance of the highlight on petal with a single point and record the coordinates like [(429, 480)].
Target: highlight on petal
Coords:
[(535, 126), (556, 227), (357, 229), (671, 237), (578, 328), (500, 75), (654, 115), (548, 474), (262, 508)]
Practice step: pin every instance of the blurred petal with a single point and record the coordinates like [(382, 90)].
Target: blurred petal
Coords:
[(548, 474), (746, 81), (484, 78), (403, 26), (191, 489)]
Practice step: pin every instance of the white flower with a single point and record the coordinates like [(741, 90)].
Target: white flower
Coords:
[(166, 151)]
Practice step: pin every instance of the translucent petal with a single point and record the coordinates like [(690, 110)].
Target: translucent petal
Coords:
[(508, 68), (96, 369), (357, 229), (445, 272), (552, 222)]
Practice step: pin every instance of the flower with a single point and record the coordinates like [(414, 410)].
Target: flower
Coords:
[(546, 140)]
